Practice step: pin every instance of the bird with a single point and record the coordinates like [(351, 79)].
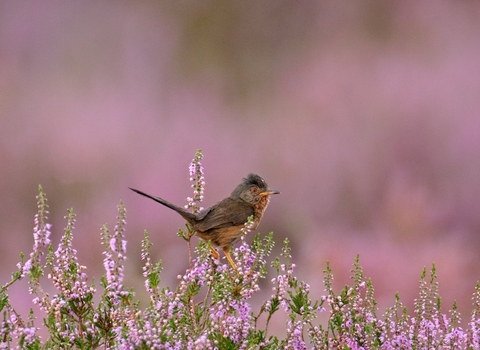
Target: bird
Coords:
[(222, 223)]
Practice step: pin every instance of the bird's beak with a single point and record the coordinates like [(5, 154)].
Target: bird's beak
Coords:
[(269, 192)]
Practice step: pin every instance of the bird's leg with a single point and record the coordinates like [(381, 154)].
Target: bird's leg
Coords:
[(226, 251), (214, 253)]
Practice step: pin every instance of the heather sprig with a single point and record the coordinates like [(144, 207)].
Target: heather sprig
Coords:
[(70, 309), (211, 305), (198, 183), (150, 270), (41, 240), (115, 254)]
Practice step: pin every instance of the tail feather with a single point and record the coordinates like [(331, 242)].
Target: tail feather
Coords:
[(190, 217)]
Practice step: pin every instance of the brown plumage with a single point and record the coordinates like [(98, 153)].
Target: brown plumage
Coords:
[(222, 222)]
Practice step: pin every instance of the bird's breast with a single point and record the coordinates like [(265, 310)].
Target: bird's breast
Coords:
[(260, 208)]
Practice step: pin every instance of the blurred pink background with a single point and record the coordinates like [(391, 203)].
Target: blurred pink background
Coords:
[(365, 115)]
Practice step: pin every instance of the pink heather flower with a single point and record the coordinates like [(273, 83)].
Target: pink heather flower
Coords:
[(71, 285), (113, 241), (25, 268), (295, 340), (202, 343), (41, 236), (198, 185)]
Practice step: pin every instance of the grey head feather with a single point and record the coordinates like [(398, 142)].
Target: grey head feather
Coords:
[(255, 179)]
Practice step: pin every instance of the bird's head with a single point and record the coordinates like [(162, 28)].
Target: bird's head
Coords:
[(252, 189)]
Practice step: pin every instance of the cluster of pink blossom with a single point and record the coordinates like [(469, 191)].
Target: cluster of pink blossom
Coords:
[(198, 185)]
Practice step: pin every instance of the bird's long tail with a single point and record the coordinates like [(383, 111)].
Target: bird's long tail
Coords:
[(190, 217)]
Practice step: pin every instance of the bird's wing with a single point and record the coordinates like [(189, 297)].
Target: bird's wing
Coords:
[(225, 213)]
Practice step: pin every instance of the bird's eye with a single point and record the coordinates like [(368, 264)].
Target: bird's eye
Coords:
[(254, 190)]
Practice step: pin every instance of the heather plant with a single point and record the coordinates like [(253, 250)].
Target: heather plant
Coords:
[(210, 307)]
